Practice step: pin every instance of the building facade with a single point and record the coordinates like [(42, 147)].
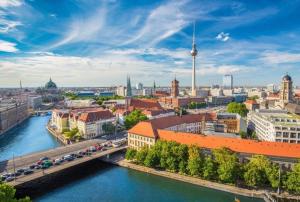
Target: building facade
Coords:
[(228, 81), (12, 114), (175, 88), (275, 125)]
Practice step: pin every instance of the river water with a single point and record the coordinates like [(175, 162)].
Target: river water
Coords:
[(99, 181)]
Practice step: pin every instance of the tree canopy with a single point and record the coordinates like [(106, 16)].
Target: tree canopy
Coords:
[(7, 194), (133, 118), (239, 108)]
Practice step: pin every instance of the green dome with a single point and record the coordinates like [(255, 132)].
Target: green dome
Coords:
[(50, 85)]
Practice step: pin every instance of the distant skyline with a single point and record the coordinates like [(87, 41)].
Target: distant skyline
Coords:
[(99, 43)]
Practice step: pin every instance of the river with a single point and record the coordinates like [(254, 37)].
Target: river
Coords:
[(99, 181)]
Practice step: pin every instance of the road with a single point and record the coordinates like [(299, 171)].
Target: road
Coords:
[(27, 160), (67, 164)]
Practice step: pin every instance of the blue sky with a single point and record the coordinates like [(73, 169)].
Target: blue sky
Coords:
[(98, 43)]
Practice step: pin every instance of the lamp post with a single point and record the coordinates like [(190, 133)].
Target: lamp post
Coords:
[(279, 180)]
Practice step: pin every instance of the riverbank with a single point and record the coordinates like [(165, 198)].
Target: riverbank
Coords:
[(204, 183), (14, 125), (57, 135)]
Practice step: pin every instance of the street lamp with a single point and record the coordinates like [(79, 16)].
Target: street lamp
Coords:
[(279, 176)]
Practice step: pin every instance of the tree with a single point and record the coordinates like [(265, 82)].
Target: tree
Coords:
[(292, 182), (239, 108), (194, 161), (255, 171), (183, 154), (227, 163), (7, 194), (108, 128), (141, 155), (133, 118), (209, 168), (243, 134), (130, 154), (72, 134), (152, 159)]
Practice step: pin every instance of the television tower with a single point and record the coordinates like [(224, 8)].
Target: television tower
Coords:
[(194, 54)]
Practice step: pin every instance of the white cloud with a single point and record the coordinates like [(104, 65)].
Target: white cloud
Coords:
[(6, 46), (223, 36), (280, 57), (10, 3), (84, 29), (8, 25)]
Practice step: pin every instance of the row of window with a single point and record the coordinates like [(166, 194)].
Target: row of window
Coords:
[(286, 135), (289, 141)]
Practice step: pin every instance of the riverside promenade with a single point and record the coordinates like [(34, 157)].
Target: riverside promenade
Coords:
[(265, 195)]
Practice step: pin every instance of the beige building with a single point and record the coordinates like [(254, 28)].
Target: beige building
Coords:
[(60, 120), (90, 124), (12, 114)]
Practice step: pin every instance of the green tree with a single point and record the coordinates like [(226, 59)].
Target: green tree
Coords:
[(7, 194), (130, 154), (72, 134), (183, 155), (255, 171), (209, 168), (292, 182), (152, 159), (141, 155), (133, 118), (243, 134), (108, 128), (228, 165), (194, 165), (239, 108), (255, 97)]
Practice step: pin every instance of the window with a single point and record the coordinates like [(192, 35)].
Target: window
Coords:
[(292, 141), (285, 134), (293, 135), (285, 141)]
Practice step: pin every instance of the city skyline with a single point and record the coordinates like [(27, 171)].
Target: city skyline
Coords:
[(80, 43)]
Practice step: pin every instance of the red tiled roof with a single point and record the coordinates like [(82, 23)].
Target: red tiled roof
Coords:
[(250, 102), (276, 149), (95, 115), (166, 122), (145, 104)]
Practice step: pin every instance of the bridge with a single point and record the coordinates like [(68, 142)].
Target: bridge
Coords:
[(10, 166)]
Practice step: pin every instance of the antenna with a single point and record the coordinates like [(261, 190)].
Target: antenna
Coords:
[(194, 33)]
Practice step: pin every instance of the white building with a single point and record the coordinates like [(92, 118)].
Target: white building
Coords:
[(121, 91), (275, 125), (228, 81), (90, 124), (139, 86), (34, 102)]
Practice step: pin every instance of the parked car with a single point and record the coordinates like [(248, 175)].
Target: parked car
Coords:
[(57, 161), (28, 171), (20, 170), (9, 179), (47, 163), (44, 158), (92, 149), (69, 157), (33, 165), (38, 167)]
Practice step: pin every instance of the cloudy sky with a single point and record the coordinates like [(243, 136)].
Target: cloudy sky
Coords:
[(98, 43)]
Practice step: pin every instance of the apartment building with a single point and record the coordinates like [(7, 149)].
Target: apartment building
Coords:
[(275, 125)]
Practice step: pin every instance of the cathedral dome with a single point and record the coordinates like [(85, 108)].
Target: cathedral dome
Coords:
[(287, 78), (50, 85)]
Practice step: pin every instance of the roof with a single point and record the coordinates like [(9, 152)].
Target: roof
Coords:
[(276, 149), (293, 108), (145, 104), (166, 122), (250, 102), (95, 115)]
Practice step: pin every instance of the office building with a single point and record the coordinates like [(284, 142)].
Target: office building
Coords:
[(228, 81), (275, 125)]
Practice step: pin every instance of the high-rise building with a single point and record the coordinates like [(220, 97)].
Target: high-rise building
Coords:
[(286, 91), (194, 54), (228, 81), (128, 88), (175, 88), (139, 86)]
